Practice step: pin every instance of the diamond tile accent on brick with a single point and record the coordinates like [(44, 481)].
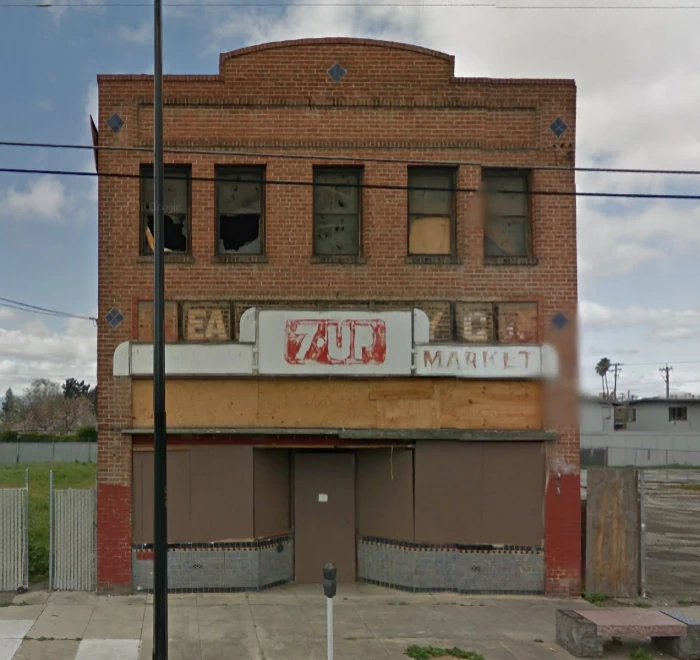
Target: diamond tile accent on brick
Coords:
[(337, 72), (558, 127), (559, 321), (115, 122), (114, 317)]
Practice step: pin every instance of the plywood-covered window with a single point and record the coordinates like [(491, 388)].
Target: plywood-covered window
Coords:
[(176, 209), (337, 211), (239, 210), (431, 211), (507, 222)]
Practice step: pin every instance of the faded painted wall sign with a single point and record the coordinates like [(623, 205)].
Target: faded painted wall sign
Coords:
[(484, 361), (206, 322), (335, 342)]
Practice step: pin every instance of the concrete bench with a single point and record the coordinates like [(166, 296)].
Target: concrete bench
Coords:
[(582, 632)]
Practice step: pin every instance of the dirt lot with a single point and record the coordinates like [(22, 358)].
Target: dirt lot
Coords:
[(673, 533)]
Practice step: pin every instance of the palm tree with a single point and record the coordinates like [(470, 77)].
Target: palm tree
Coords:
[(602, 369)]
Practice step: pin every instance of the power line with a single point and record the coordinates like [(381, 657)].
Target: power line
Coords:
[(25, 307), (362, 186), (369, 159), (258, 5), (656, 364)]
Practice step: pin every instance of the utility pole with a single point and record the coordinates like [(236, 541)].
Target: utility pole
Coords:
[(666, 375), (160, 506), (617, 370)]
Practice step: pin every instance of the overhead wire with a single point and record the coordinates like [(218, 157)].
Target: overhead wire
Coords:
[(35, 309), (362, 185), (329, 157), (263, 5)]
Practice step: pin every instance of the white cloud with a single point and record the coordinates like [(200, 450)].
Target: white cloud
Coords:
[(45, 198), (661, 323), (139, 35), (7, 314), (34, 350)]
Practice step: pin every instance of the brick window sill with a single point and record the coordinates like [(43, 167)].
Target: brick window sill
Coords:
[(434, 260), (170, 258), (240, 259), (510, 261), (348, 260)]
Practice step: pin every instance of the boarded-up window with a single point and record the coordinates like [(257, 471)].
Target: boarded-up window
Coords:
[(517, 323), (176, 208), (507, 217), (337, 211), (239, 210), (431, 210)]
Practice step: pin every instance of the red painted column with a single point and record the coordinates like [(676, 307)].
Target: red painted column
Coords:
[(113, 537)]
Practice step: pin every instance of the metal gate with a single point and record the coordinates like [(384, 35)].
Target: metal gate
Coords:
[(72, 541), (14, 537)]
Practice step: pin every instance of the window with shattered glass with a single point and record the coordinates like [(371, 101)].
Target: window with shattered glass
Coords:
[(507, 214), (176, 209), (239, 209), (431, 211), (337, 211)]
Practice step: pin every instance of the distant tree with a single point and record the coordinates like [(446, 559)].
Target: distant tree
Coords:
[(73, 389), (47, 409), (602, 369), (92, 395), (10, 407)]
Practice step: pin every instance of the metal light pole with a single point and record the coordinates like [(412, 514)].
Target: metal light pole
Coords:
[(160, 508)]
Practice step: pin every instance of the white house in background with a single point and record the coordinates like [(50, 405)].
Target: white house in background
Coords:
[(673, 415), (596, 415)]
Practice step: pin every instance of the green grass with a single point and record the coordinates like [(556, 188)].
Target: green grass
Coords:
[(594, 597), (688, 486), (428, 652), (640, 654), (65, 475)]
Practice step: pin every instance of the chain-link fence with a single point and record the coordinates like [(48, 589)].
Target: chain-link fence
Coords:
[(14, 537)]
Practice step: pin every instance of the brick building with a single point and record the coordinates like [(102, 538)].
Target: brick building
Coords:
[(370, 360)]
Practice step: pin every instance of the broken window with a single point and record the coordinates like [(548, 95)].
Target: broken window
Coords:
[(239, 208), (431, 211), (337, 211), (678, 414), (176, 206), (507, 217)]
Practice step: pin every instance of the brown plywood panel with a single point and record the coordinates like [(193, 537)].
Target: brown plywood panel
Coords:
[(406, 388), (430, 235), (517, 323), (334, 403), (206, 321), (385, 493), (474, 322), (448, 492), (408, 413), (221, 486), (178, 497), (612, 532), (324, 527), (513, 494), (316, 403), (271, 481), (199, 403), (491, 404), (145, 321)]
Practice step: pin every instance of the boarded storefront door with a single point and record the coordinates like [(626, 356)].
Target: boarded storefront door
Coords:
[(324, 515)]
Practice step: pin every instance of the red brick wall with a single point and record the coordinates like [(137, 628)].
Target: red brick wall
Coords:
[(396, 102)]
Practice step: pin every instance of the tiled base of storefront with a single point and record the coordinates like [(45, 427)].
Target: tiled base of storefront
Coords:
[(218, 567), (463, 569), (406, 566)]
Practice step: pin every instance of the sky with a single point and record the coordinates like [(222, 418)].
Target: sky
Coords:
[(638, 78)]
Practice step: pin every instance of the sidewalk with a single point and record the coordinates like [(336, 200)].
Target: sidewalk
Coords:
[(286, 623)]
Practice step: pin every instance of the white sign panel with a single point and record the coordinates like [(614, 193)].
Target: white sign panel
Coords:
[(485, 361), (335, 343)]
